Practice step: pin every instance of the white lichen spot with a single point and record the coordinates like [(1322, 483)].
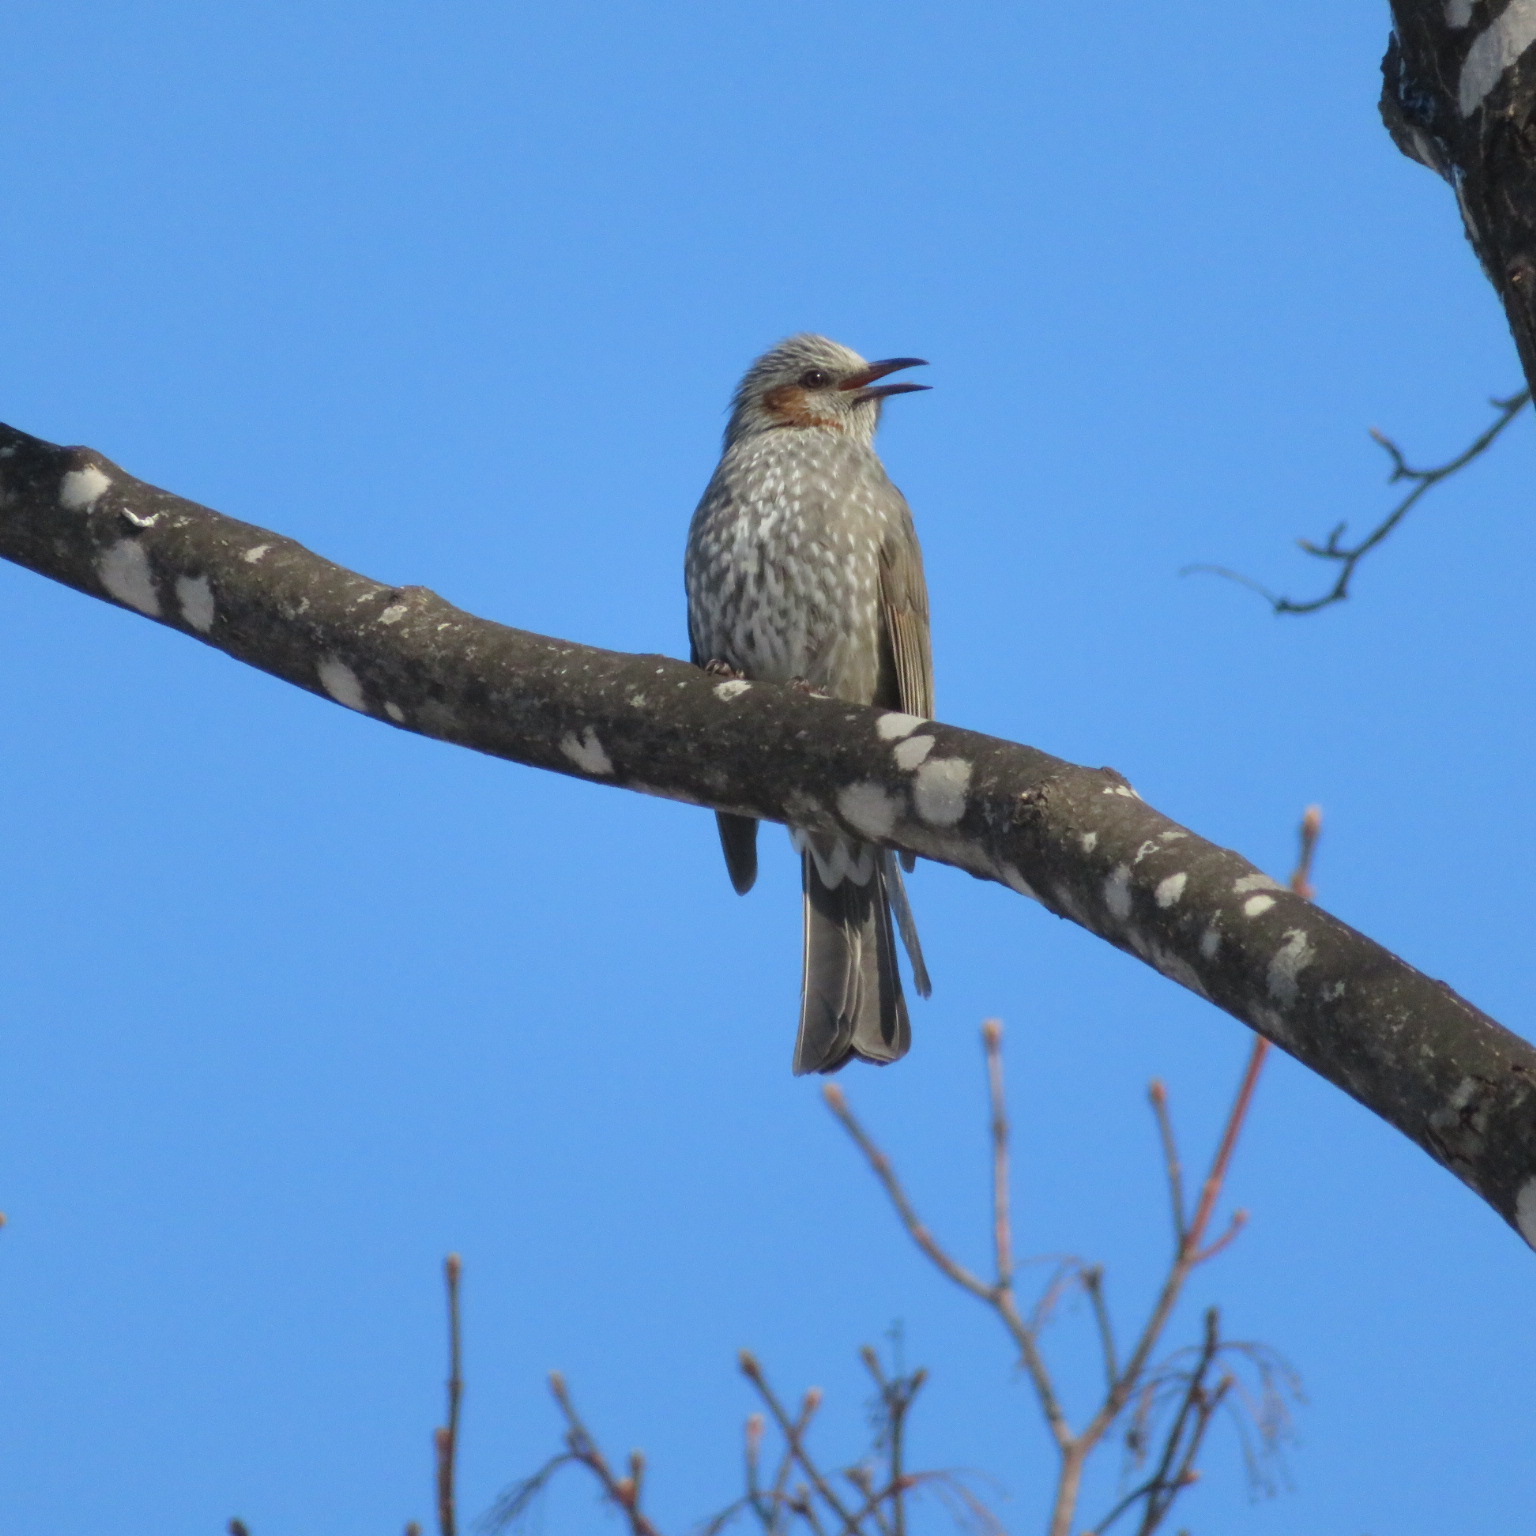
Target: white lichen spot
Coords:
[(1124, 790), (1067, 901), (81, 489), (1173, 834), (340, 681), (868, 808), (1017, 882), (1463, 1095), (1090, 841), (1495, 50), (1525, 1211), (195, 596), (733, 689), (939, 791), (913, 752), (681, 795), (391, 615), (394, 712), (587, 752), (125, 573), (1257, 904), (894, 726), (137, 519), (1117, 891), (1271, 1024), (1169, 890), (1174, 967), (1289, 961), (1210, 942), (1254, 883), (253, 555), (1332, 992)]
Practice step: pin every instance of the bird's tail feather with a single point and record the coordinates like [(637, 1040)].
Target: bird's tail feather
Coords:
[(851, 1003), (896, 889)]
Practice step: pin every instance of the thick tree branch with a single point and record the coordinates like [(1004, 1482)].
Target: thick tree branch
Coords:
[(1459, 95), (1079, 840)]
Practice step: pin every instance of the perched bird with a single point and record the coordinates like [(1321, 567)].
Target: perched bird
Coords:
[(803, 567)]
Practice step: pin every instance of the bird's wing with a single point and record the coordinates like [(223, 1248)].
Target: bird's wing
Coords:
[(904, 612)]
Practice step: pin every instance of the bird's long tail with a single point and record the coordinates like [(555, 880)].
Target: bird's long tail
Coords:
[(851, 1002)]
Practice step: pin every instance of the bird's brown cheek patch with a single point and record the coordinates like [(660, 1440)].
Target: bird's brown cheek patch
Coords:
[(787, 403)]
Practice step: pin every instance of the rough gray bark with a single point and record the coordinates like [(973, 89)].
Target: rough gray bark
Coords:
[(1460, 95), (1078, 840)]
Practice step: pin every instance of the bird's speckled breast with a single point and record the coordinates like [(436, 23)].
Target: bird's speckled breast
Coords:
[(783, 561)]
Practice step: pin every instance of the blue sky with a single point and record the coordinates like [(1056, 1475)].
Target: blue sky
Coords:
[(293, 1005)]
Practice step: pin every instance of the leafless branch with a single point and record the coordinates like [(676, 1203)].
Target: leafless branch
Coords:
[(1157, 1096), (1077, 839), (1347, 556), (793, 1431), (1093, 1283), (445, 1441), (1002, 1228), (1191, 1249), (516, 1501), (621, 1492), (1311, 830), (998, 1295)]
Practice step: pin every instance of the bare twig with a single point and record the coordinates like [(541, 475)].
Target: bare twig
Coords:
[(1002, 1229), (1348, 556), (1158, 1096), (1093, 1283), (1175, 1469), (998, 1296), (793, 1431), (445, 1441), (516, 1501), (622, 1492), (882, 1510), (1311, 830)]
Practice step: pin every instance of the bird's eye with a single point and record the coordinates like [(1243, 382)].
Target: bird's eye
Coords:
[(815, 378)]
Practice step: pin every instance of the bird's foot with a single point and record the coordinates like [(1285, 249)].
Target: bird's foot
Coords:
[(717, 668), (805, 685)]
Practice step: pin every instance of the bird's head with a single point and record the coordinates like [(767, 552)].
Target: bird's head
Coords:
[(809, 381)]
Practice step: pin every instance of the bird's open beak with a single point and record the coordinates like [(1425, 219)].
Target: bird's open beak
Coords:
[(862, 380)]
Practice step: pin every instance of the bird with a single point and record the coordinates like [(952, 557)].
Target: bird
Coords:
[(803, 567)]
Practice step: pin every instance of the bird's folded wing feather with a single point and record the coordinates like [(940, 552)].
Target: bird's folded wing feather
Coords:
[(904, 610)]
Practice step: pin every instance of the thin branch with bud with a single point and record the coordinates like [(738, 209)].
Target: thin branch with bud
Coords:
[(1347, 556)]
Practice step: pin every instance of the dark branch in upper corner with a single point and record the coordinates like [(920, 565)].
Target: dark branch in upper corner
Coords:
[(1078, 840), (1347, 556)]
